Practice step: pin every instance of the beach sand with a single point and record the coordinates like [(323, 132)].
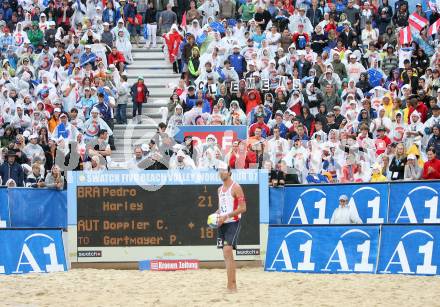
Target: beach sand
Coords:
[(90, 287)]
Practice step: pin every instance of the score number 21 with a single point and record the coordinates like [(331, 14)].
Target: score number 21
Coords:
[(205, 200)]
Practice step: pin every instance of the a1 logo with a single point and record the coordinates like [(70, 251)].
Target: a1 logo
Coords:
[(27, 257)]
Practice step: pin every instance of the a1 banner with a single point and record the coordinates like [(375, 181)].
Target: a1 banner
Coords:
[(409, 250), (322, 249), (316, 204), (31, 251), (414, 203)]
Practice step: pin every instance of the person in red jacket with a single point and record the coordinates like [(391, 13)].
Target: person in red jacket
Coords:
[(431, 169), (254, 156), (300, 38), (117, 58), (265, 130), (237, 156), (419, 106), (251, 99), (382, 141)]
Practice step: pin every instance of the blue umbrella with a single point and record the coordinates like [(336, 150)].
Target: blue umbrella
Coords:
[(201, 39), (217, 26), (375, 77)]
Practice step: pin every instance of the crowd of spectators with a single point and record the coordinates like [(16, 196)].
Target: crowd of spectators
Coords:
[(63, 85), (329, 90), (326, 89)]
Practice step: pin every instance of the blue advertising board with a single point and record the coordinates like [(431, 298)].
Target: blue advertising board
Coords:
[(322, 249), (276, 205), (37, 208), (315, 204), (415, 203), (4, 208), (25, 251), (410, 249)]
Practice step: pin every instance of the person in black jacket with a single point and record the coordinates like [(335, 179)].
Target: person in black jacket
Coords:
[(397, 166), (150, 18), (12, 170), (314, 13)]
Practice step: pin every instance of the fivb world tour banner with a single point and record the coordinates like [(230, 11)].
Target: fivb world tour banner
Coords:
[(26, 251), (396, 249), (393, 203)]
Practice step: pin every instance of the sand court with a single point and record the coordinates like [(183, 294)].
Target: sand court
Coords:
[(90, 287)]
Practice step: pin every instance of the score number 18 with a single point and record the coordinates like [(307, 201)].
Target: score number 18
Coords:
[(205, 201)]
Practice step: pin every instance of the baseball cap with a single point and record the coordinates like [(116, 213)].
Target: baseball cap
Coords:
[(57, 110), (411, 157)]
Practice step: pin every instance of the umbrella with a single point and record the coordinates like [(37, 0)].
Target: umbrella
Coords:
[(217, 26), (375, 77)]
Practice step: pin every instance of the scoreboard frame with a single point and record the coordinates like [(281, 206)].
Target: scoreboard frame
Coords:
[(114, 216)]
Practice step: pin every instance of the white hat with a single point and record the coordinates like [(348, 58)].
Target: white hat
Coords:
[(343, 197), (57, 110), (94, 110), (180, 153), (411, 157), (26, 133), (377, 167), (87, 46), (33, 136), (144, 147)]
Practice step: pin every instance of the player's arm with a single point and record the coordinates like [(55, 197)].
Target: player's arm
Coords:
[(237, 192)]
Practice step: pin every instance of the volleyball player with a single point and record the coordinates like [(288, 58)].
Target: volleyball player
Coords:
[(232, 205)]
